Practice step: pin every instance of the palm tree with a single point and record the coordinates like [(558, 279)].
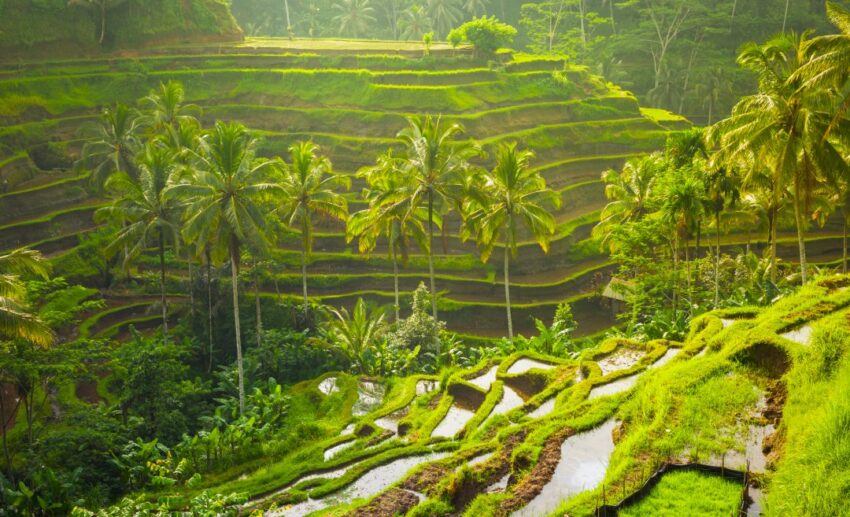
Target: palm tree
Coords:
[(511, 194), (828, 64), (112, 145), (166, 108), (628, 193), (785, 123), (141, 203), (445, 14), (416, 23), (357, 333), (226, 206), (434, 166), (723, 193), (309, 189), (16, 320), (355, 17), (683, 205), (387, 216), (476, 8)]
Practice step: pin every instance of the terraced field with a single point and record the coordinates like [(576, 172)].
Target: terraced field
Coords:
[(352, 103), (624, 426)]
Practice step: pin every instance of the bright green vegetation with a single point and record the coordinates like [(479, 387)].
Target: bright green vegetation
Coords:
[(689, 493)]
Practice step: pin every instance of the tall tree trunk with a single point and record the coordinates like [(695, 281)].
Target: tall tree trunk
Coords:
[(102, 21), (732, 18), (5, 423), (397, 306), (191, 283), (717, 257), (785, 18), (163, 294), (259, 323), (581, 16), (304, 244), (844, 244), (688, 276), (209, 308), (772, 223), (234, 278), (289, 31), (508, 291), (611, 12), (431, 253), (675, 271), (801, 242)]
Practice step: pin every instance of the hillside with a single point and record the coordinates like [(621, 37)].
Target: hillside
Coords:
[(755, 391), (351, 100), (58, 28)]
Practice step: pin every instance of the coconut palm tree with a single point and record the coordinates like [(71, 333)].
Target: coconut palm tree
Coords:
[(356, 333), (785, 124), (628, 193), (476, 8), (309, 188), (226, 205), (828, 64), (415, 22), (16, 319), (445, 14), (355, 17), (433, 166), (112, 144), (149, 216), (387, 216), (165, 108), (723, 192), (511, 194), (684, 201)]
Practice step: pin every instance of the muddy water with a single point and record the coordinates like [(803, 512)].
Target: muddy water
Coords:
[(612, 388), (664, 359), (369, 484), (544, 409), (484, 381), (390, 422), (424, 386), (754, 509), (328, 386), (802, 335), (753, 452), (500, 485), (584, 460), (454, 421), (620, 360), (523, 365), (369, 398)]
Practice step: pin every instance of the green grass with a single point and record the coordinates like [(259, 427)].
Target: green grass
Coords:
[(688, 493)]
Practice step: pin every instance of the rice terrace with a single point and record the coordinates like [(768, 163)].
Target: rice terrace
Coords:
[(424, 258)]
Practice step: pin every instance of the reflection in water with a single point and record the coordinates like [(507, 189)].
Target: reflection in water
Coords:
[(455, 419), (544, 409), (484, 381), (612, 388), (336, 449), (367, 485), (584, 460), (328, 386), (664, 359), (523, 365), (369, 397), (620, 360), (510, 400), (425, 386), (802, 335)]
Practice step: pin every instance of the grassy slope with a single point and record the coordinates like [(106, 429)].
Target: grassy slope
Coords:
[(691, 408)]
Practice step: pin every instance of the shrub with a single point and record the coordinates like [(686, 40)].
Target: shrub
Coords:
[(487, 35)]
